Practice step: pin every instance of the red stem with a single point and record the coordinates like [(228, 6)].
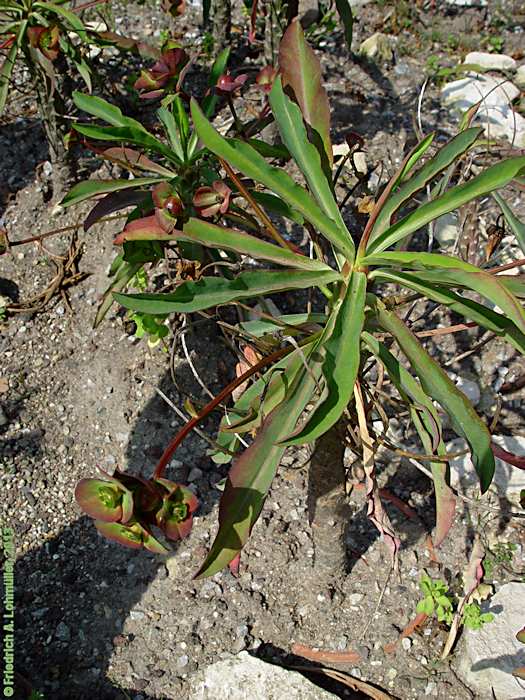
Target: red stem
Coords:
[(181, 435)]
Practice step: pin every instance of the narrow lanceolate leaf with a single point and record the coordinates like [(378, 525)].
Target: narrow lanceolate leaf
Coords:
[(438, 385), (491, 179), (445, 270), (342, 355), (517, 226), (109, 113), (127, 134), (213, 291), (301, 70), (443, 158), (252, 474), (199, 231), (514, 283), (246, 159), (115, 201), (132, 159), (90, 188), (257, 401), (293, 134), (470, 309), (146, 229), (347, 20), (428, 425)]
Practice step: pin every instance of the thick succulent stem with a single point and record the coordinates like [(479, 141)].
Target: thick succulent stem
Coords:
[(327, 503)]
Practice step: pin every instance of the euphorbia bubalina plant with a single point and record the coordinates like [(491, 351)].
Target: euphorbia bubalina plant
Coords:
[(323, 358)]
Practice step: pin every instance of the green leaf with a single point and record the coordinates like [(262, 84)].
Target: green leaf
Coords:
[(443, 269), (301, 70), (208, 234), (265, 325), (91, 188), (443, 158), (75, 22), (425, 606), (438, 385), (246, 159), (213, 291), (293, 133), (485, 317), (251, 476), (109, 113), (341, 363), (517, 226), (347, 20), (428, 425), (172, 131), (126, 134), (489, 180)]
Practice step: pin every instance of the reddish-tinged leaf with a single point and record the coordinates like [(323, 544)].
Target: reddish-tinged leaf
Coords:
[(516, 460), (519, 673), (146, 229), (122, 534), (130, 158), (301, 70), (520, 636), (100, 499), (252, 474), (412, 626), (115, 201), (234, 565)]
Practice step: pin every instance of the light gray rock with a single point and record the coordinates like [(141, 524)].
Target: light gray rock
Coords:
[(492, 61), (495, 113), (377, 47), (469, 388), (490, 655), (467, 3), (519, 78), (446, 230), (508, 480), (245, 676)]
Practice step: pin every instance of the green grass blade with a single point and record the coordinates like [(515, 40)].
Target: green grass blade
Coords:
[(491, 179), (438, 385), (213, 291)]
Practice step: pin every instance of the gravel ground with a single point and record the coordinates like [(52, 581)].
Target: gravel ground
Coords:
[(97, 621)]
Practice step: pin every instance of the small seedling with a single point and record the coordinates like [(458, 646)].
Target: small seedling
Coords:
[(437, 600)]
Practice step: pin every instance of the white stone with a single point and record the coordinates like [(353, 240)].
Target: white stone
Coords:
[(508, 480), (469, 388), (446, 230), (490, 655), (519, 78), (467, 3), (492, 61), (377, 47), (495, 113), (245, 676)]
